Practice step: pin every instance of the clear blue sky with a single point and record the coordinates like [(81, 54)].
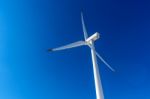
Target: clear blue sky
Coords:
[(29, 27)]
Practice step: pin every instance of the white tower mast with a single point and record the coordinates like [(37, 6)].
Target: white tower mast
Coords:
[(97, 79)]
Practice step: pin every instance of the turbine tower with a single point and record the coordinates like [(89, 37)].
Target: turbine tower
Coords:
[(89, 41)]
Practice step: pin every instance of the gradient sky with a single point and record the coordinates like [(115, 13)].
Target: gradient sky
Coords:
[(29, 27)]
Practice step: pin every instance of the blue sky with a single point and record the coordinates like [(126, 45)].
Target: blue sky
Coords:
[(29, 27)]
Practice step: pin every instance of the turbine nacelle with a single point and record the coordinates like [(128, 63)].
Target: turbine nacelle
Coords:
[(94, 37)]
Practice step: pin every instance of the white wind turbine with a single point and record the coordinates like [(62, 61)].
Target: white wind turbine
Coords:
[(89, 41)]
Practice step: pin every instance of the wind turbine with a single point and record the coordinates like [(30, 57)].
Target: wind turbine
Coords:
[(89, 41)]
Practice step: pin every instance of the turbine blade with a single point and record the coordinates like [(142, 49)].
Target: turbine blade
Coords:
[(100, 57), (72, 45), (84, 28)]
